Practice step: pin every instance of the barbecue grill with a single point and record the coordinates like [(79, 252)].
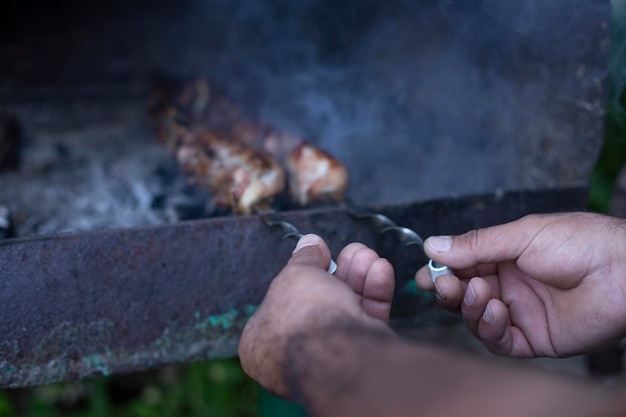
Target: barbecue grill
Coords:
[(448, 116)]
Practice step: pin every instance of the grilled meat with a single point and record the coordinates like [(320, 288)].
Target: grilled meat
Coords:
[(315, 175), (238, 176), (214, 140)]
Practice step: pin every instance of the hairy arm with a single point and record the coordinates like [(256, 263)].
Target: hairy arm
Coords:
[(348, 369), (324, 341)]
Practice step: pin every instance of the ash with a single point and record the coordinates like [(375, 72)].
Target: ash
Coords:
[(98, 175)]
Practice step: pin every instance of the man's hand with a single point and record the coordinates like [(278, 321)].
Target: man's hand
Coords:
[(544, 285), (323, 341), (304, 296)]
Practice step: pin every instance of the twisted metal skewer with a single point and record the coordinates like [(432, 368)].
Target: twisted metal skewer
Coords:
[(408, 237), (382, 223), (291, 232), (271, 219)]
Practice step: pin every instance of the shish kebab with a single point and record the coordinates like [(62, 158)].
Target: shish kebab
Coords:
[(236, 159), (242, 162)]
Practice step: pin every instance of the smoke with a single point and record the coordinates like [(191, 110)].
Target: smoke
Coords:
[(411, 95), (414, 96), (420, 99)]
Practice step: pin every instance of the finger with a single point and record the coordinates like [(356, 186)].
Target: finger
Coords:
[(345, 258), (475, 299), (378, 290), (423, 277), (492, 328), (497, 334), (449, 291), (311, 250), (360, 264), (424, 280), (479, 270), (485, 246)]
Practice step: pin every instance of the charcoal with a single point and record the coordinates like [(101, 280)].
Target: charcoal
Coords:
[(6, 224), (10, 142)]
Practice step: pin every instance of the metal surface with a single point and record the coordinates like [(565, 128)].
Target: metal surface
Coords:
[(419, 99), (406, 236), (290, 232), (384, 224), (82, 305)]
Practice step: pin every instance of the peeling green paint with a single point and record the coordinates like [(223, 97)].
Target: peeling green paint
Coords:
[(208, 337), (9, 370), (97, 363), (205, 337), (225, 320), (410, 288), (250, 309)]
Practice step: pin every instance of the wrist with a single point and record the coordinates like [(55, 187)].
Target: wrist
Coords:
[(326, 364), (615, 270), (350, 369)]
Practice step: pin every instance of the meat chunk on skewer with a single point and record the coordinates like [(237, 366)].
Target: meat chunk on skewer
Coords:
[(205, 128), (238, 176), (315, 175)]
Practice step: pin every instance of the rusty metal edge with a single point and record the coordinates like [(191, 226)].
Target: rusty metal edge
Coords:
[(90, 304)]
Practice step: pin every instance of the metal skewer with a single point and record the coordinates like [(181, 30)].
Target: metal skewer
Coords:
[(271, 219), (408, 237), (291, 232)]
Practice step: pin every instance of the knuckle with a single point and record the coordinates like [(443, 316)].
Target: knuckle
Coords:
[(355, 246), (293, 270), (498, 344), (364, 251), (531, 219), (292, 274), (473, 239), (535, 222), (494, 348), (309, 256)]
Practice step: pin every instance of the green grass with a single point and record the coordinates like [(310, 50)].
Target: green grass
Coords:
[(611, 161), (613, 155), (217, 388)]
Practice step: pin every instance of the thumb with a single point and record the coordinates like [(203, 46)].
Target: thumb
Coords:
[(488, 245), (311, 250)]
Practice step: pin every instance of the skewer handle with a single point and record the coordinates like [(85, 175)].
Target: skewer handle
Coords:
[(438, 269)]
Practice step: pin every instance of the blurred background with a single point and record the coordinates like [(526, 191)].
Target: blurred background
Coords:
[(220, 388)]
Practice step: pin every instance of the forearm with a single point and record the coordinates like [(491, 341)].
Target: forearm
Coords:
[(351, 370)]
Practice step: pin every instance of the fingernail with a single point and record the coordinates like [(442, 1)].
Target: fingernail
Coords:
[(487, 315), (439, 244), (307, 240), (333, 267), (470, 295), (438, 292)]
